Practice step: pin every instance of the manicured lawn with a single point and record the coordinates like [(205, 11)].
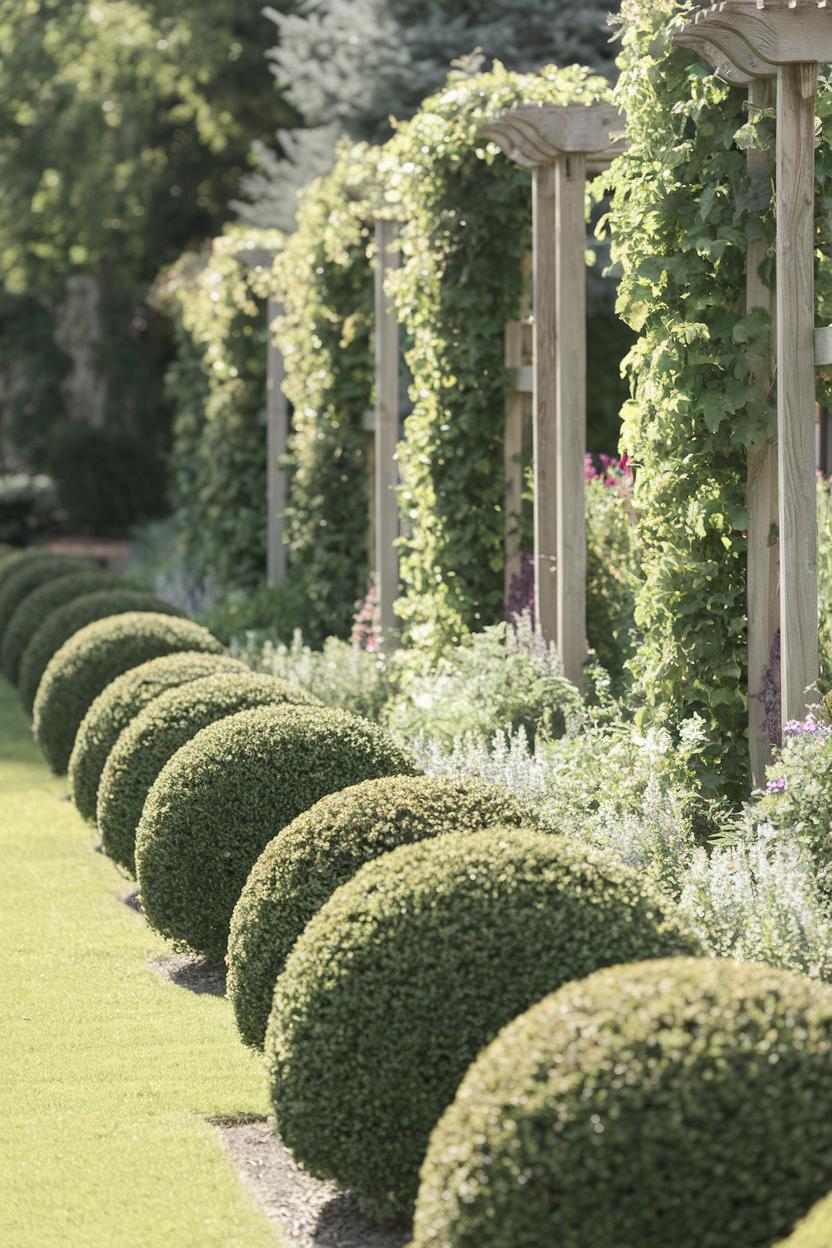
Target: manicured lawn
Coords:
[(108, 1074)]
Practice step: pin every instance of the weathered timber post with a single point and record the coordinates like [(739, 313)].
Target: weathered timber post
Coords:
[(277, 427), (387, 352), (746, 40), (518, 349), (512, 453), (560, 146)]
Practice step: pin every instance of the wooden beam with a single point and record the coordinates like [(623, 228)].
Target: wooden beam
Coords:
[(277, 430), (570, 370), (763, 548), (386, 435), (544, 420), (796, 385)]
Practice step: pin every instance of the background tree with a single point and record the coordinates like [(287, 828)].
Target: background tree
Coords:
[(125, 129), (351, 65)]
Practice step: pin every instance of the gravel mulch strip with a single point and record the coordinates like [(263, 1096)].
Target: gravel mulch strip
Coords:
[(308, 1212)]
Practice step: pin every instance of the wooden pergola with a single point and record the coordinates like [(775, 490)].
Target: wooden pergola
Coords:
[(772, 48), (277, 426), (562, 146)]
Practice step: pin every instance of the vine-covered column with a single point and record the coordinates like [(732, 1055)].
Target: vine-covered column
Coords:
[(560, 145), (785, 39), (387, 353)]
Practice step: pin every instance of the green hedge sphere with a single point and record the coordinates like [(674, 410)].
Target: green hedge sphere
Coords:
[(120, 703), (815, 1231), (413, 966), (39, 605), (28, 575), (10, 559), (323, 848), (8, 556), (224, 795), (93, 657), (69, 619), (670, 1104), (159, 731)]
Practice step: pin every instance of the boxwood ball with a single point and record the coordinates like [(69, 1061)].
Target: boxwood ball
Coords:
[(39, 605), (93, 657), (412, 967), (68, 620), (119, 703), (159, 731), (28, 575), (323, 848), (671, 1104), (224, 795)]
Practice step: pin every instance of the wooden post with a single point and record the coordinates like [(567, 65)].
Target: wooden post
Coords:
[(386, 435), (796, 386), (570, 374), (560, 145), (745, 40), (544, 420), (277, 426), (763, 547), (276, 442), (512, 459)]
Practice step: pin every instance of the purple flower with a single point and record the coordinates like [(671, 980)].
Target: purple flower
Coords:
[(776, 786)]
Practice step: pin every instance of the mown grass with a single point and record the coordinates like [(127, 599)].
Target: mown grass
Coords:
[(109, 1075)]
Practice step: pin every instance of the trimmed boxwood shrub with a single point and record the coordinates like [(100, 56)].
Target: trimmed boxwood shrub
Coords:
[(70, 619), (815, 1231), (10, 558), (93, 657), (323, 848), (120, 703), (40, 604), (665, 1105), (224, 795), (28, 575), (159, 731), (413, 966)]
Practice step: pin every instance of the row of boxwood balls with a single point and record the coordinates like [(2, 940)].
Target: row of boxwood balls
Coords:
[(460, 1012)]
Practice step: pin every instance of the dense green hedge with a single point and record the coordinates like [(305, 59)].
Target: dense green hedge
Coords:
[(224, 795), (415, 964), (158, 732), (683, 214), (467, 210), (68, 619), (323, 848), (325, 281), (666, 1105), (39, 605), (119, 703), (94, 656), (815, 1231), (10, 557), (218, 385), (28, 576)]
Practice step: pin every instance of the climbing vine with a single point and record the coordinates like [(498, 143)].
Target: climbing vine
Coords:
[(467, 215), (684, 211), (218, 385), (325, 282)]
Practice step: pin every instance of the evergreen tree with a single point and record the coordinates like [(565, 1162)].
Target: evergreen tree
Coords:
[(351, 65)]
